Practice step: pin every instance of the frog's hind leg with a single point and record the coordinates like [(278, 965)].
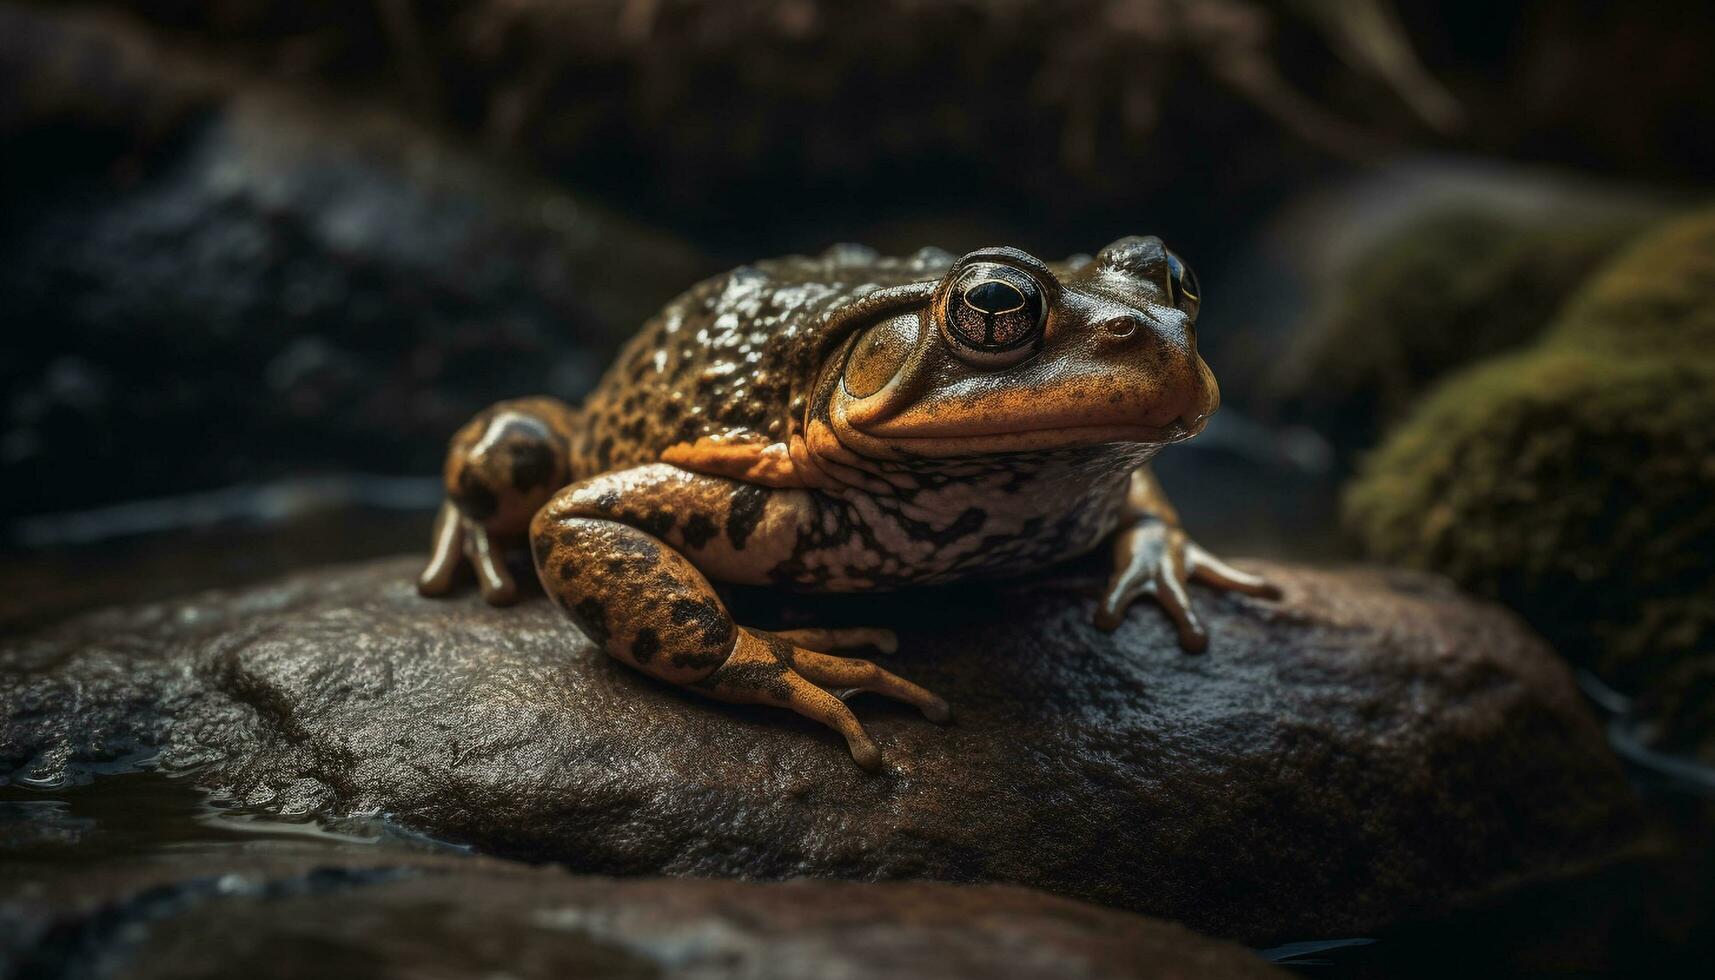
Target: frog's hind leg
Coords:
[(646, 604), (501, 468)]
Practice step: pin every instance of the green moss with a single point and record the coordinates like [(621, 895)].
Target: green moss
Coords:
[(1656, 298), (1448, 289), (1575, 481)]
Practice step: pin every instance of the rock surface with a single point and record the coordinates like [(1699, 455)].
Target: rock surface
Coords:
[(1372, 747), (366, 915)]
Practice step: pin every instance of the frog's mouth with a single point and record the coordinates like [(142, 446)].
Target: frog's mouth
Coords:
[(998, 414), (981, 443)]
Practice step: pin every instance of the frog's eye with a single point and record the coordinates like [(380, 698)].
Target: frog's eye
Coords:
[(994, 315), (1182, 286)]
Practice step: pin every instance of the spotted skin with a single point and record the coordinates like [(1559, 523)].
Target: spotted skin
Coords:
[(732, 354), (633, 594), (823, 424)]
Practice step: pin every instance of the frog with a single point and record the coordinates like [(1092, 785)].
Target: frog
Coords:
[(848, 422)]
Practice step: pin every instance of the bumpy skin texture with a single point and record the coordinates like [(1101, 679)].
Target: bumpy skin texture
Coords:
[(847, 423)]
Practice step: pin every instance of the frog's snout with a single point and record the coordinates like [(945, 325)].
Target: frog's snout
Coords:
[(1152, 359)]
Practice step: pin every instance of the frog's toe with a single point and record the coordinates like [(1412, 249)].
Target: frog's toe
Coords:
[(488, 558), (847, 673), (762, 669), (1208, 569), (1193, 638), (768, 668), (458, 540), (444, 554), (1123, 589), (853, 638), (494, 579), (1164, 583), (816, 704)]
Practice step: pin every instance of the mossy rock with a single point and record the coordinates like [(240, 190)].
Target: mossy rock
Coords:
[(1575, 481), (1577, 489), (1656, 299), (1450, 287)]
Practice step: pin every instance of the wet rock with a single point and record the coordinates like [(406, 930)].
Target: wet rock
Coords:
[(1575, 480), (206, 282), (1372, 748), (298, 914)]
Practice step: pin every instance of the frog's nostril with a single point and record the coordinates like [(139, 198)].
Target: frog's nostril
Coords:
[(1122, 326)]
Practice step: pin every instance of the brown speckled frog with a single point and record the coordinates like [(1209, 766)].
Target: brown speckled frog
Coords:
[(845, 423)]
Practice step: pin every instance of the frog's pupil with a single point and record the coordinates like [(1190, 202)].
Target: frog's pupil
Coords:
[(994, 296)]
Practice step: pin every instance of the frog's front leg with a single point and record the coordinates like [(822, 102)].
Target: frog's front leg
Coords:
[(501, 468), (1152, 556), (625, 554)]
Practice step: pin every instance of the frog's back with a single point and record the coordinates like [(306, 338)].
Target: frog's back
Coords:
[(727, 356)]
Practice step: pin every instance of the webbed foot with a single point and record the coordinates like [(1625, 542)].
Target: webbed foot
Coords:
[(791, 669), (459, 539), (1155, 558)]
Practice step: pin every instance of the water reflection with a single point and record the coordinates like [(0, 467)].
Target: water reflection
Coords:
[(131, 809)]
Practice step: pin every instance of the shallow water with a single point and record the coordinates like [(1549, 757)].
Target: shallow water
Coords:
[(130, 809)]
